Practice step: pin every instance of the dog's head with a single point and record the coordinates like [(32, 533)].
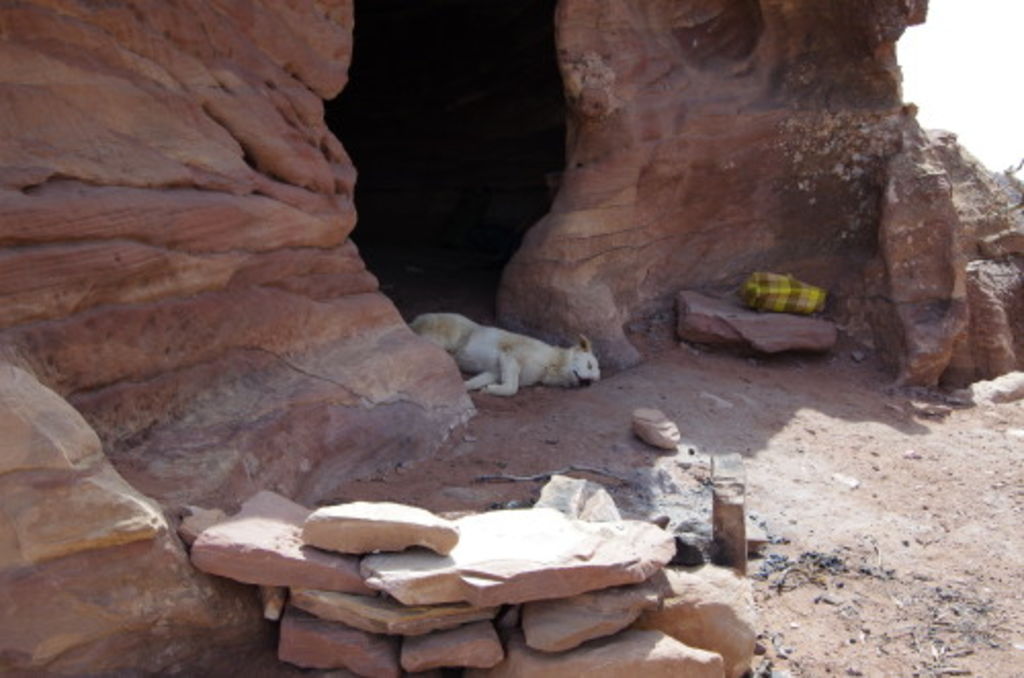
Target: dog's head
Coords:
[(583, 363)]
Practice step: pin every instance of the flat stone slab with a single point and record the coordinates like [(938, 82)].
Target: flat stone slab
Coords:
[(514, 556), (704, 320), (471, 646), (577, 498), (646, 654), (559, 625), (196, 521), (262, 544), (370, 527), (378, 614), (313, 643)]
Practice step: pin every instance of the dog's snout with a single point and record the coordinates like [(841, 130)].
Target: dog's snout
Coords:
[(586, 382)]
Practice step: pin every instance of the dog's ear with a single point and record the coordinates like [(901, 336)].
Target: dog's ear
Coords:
[(585, 344)]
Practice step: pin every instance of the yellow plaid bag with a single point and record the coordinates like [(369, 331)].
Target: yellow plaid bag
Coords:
[(781, 293)]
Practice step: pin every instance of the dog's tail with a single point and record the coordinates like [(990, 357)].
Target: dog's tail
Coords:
[(450, 331)]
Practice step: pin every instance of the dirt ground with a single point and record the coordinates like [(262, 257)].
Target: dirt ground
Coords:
[(898, 513)]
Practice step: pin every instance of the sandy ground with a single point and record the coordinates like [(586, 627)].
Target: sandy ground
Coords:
[(899, 514)]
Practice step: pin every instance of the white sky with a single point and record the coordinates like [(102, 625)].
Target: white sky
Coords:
[(964, 68)]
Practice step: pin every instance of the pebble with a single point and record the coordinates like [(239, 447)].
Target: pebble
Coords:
[(844, 479)]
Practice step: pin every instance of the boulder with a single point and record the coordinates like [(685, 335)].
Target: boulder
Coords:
[(710, 608), (313, 643), (704, 320), (262, 544), (650, 654), (1008, 388), (380, 614), (39, 429), (995, 337), (472, 646), (655, 429), (941, 311), (579, 499), (369, 527), (558, 625), (514, 556), (53, 518), (88, 566)]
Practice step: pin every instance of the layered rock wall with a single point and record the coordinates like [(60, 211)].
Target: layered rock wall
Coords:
[(174, 239), (708, 139), (712, 138), (945, 291), (175, 263)]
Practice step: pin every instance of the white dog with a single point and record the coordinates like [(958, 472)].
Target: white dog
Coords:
[(503, 361)]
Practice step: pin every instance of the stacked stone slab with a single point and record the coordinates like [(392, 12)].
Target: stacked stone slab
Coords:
[(381, 588)]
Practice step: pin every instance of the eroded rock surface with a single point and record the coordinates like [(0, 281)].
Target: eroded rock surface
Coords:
[(88, 566), (942, 311), (708, 139), (175, 244)]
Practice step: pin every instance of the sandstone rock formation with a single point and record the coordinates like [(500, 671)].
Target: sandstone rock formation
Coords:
[(176, 256), (944, 311), (708, 139), (174, 231), (91, 575)]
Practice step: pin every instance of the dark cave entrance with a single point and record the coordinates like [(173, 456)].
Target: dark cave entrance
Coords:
[(455, 120)]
